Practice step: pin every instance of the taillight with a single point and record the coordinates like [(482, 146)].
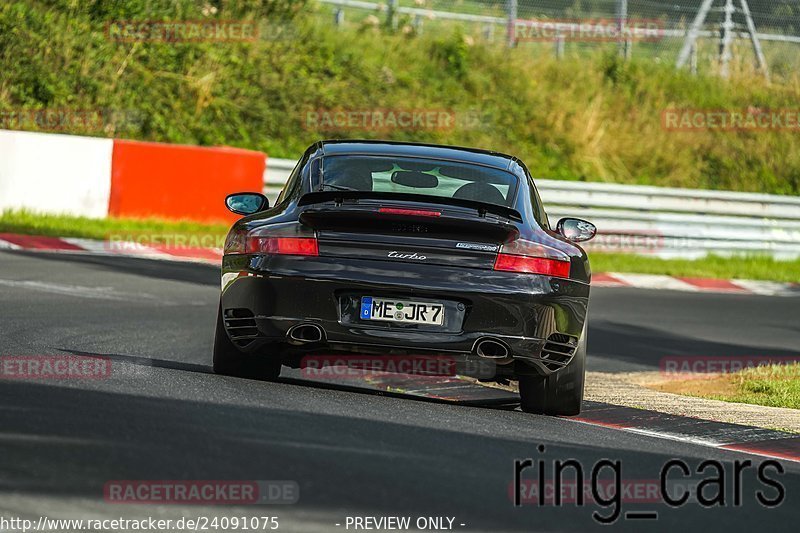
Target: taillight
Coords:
[(532, 258), (282, 245), (532, 265), (409, 212), (240, 242)]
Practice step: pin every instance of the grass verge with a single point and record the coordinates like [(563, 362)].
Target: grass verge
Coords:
[(738, 267), (28, 223), (758, 268), (771, 385)]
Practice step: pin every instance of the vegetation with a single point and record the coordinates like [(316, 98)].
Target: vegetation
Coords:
[(593, 117), (773, 385)]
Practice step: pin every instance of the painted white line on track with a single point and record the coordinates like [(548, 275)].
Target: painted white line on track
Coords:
[(673, 436), (731, 447)]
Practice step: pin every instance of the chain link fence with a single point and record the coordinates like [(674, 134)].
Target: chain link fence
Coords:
[(728, 32)]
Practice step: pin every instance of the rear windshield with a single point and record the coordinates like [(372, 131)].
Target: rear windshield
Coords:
[(419, 176)]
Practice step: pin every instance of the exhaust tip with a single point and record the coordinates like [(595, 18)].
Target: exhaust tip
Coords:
[(305, 333), (491, 349)]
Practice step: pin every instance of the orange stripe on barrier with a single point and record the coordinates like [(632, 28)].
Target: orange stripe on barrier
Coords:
[(180, 182)]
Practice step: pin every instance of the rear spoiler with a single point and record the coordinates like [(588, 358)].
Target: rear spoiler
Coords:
[(482, 207)]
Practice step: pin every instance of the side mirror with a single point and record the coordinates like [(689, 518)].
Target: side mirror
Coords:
[(246, 203), (576, 230)]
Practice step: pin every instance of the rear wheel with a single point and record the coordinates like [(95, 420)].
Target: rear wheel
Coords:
[(229, 361), (560, 393)]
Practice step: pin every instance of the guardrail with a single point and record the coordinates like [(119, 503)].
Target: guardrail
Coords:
[(659, 221)]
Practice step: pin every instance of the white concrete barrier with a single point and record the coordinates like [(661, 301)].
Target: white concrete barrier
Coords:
[(58, 174)]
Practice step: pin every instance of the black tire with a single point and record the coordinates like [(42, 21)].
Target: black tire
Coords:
[(560, 393), (229, 361)]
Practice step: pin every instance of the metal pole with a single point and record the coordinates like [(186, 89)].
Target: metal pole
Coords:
[(511, 9), (622, 26), (751, 29), (338, 17), (488, 32), (391, 14), (691, 36), (693, 59), (725, 52), (418, 24), (559, 45)]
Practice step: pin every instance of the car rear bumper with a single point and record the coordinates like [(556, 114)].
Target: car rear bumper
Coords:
[(524, 312)]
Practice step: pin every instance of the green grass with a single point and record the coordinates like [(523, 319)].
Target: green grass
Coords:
[(28, 223), (739, 267), (758, 268), (588, 117), (774, 385)]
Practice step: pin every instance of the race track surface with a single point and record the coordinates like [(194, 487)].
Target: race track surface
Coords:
[(162, 415)]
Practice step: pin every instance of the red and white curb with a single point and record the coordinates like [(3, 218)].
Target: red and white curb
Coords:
[(95, 247), (214, 255), (745, 439), (733, 286)]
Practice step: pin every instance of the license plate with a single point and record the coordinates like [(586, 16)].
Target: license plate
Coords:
[(402, 311)]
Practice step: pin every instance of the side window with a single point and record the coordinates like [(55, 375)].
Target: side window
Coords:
[(538, 208), (291, 182), (313, 174), (536, 202)]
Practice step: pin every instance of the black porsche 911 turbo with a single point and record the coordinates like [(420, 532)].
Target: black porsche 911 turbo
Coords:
[(390, 248)]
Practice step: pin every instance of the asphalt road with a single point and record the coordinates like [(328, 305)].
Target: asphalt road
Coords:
[(161, 414)]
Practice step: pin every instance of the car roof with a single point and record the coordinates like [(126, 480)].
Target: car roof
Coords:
[(428, 151)]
